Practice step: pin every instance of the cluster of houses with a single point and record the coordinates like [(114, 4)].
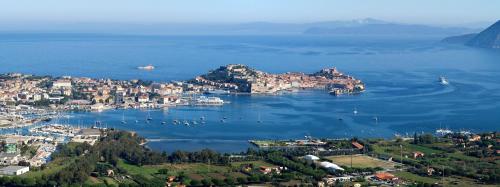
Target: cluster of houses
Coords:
[(241, 78), (11, 154), (89, 94), (15, 162)]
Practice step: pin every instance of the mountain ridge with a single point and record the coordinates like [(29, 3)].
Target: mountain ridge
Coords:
[(248, 28), (488, 38)]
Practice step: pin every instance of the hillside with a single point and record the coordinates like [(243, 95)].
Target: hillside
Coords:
[(488, 38)]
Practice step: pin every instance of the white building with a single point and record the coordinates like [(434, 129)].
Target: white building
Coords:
[(14, 170), (311, 158), (62, 83)]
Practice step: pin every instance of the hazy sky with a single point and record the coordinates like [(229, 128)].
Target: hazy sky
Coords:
[(216, 11)]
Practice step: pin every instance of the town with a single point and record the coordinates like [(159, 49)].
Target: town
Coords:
[(29, 99)]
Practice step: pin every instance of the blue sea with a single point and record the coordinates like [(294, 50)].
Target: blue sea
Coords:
[(401, 76)]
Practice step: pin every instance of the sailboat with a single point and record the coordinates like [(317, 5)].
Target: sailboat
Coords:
[(123, 119), (149, 118)]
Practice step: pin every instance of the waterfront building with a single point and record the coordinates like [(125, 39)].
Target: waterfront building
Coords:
[(9, 158), (14, 170), (10, 145)]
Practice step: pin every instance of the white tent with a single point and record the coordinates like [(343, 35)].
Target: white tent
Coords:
[(331, 166)]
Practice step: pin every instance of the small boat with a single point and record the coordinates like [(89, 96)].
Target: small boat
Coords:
[(186, 123), (194, 123), (175, 122), (443, 80), (375, 119), (222, 121), (355, 111), (163, 122), (148, 67), (136, 121)]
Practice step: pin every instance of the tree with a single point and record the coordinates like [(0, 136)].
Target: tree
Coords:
[(217, 182), (163, 171), (230, 181), (195, 183), (206, 182), (415, 138), (242, 180)]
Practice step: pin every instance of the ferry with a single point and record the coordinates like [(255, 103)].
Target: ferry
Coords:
[(217, 92), (443, 80), (148, 67), (203, 100)]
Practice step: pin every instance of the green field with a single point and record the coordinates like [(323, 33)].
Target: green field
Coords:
[(195, 171), (415, 178), (360, 161), (52, 168)]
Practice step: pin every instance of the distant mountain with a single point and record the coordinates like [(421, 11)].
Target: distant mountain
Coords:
[(488, 38), (357, 26), (462, 39), (387, 29)]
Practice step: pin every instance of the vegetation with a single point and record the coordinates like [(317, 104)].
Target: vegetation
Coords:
[(119, 159)]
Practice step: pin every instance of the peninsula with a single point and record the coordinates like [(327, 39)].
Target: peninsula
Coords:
[(241, 78)]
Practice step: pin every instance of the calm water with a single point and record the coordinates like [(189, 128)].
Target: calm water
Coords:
[(400, 73)]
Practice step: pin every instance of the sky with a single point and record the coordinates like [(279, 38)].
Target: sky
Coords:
[(445, 12)]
